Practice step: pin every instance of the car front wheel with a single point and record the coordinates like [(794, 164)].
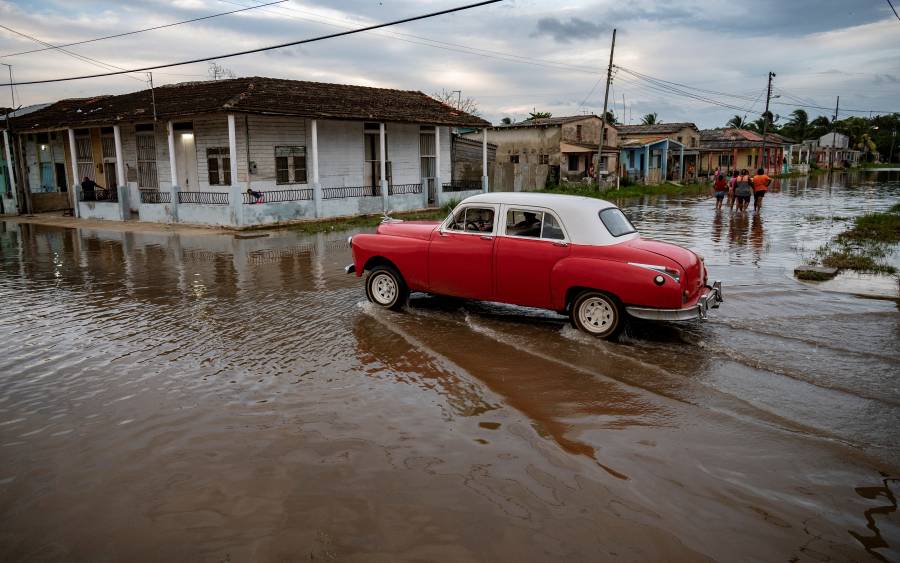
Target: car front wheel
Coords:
[(597, 314), (385, 288)]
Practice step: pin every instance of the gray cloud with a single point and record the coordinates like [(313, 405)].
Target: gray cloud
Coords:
[(566, 32)]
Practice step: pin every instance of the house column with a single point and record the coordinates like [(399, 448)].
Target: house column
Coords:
[(76, 181), (664, 163), (173, 171), (382, 163), (10, 169), (681, 164), (437, 167), (484, 170), (314, 165), (235, 197), (646, 163), (121, 180)]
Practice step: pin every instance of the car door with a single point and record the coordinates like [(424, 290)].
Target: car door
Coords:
[(460, 257), (531, 243)]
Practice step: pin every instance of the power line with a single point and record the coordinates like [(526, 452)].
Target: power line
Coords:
[(73, 54), (271, 47), (143, 30), (894, 9)]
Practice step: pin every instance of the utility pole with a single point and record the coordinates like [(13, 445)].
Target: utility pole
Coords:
[(893, 139), (605, 102), (623, 105), (837, 106), (765, 161)]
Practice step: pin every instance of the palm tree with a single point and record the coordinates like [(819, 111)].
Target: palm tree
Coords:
[(798, 124), (506, 121), (540, 115), (819, 126), (611, 118), (650, 119), (737, 122)]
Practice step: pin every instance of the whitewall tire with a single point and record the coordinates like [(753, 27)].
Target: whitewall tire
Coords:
[(385, 288), (597, 314)]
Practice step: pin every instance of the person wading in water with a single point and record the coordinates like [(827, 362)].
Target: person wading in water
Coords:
[(720, 188), (760, 186), (743, 190)]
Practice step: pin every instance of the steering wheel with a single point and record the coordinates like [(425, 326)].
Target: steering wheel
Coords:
[(472, 226)]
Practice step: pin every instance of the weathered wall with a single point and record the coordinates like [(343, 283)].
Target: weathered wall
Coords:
[(106, 210), (270, 213), (217, 215), (467, 159), (156, 212), (50, 201), (509, 177)]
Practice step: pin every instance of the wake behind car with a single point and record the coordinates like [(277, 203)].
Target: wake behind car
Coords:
[(579, 256)]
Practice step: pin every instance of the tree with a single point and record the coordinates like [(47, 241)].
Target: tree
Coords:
[(650, 119), (819, 126), (540, 115), (797, 126), (454, 99), (611, 118), (506, 121), (737, 122), (218, 72)]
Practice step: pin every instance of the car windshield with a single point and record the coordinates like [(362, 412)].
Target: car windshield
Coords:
[(616, 222)]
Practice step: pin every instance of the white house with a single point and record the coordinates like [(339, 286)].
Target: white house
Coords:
[(190, 152)]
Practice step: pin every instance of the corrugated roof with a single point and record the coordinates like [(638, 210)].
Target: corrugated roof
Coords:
[(656, 128), (258, 95)]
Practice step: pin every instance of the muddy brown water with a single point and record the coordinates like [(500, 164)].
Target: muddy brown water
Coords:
[(206, 398)]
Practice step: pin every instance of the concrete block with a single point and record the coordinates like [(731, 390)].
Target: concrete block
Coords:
[(815, 273)]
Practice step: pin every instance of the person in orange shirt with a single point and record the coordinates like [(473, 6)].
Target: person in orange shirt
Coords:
[(760, 186)]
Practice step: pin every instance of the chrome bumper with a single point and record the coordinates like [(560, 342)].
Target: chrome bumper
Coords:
[(699, 311), (350, 269)]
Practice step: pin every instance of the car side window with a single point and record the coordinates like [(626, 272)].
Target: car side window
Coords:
[(479, 220), (458, 223), (523, 223), (552, 229)]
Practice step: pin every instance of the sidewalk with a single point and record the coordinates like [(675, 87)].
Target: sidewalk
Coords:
[(57, 219)]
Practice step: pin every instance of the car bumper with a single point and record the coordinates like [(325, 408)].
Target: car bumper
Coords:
[(710, 300), (350, 269)]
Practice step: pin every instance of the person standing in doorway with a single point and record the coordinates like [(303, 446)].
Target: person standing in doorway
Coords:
[(760, 186), (88, 189)]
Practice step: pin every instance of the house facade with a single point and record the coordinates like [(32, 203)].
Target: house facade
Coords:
[(549, 150), (832, 150), (660, 152), (190, 152), (729, 149)]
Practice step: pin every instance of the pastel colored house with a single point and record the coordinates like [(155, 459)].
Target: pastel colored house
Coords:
[(660, 152), (742, 148)]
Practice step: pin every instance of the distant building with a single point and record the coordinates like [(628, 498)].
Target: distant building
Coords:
[(555, 148), (663, 151), (832, 149), (729, 149)]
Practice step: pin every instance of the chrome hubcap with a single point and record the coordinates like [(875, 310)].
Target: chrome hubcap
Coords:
[(384, 289), (596, 315)]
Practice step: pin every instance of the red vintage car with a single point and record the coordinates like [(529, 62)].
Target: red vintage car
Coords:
[(579, 256)]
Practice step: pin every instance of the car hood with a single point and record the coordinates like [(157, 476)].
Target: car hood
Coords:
[(410, 229)]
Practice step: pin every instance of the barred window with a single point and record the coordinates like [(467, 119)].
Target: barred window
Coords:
[(146, 159), (218, 163), (83, 155), (290, 165)]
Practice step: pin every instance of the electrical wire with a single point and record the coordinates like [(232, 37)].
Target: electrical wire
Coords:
[(270, 47), (135, 32), (73, 54), (894, 9)]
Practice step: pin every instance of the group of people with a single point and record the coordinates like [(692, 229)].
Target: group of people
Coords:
[(738, 187)]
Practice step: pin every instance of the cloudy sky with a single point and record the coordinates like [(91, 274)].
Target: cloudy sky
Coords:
[(510, 57)]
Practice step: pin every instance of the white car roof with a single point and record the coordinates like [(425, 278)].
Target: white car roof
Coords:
[(579, 215)]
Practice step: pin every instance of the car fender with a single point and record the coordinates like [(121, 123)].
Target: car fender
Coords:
[(632, 285), (408, 255)]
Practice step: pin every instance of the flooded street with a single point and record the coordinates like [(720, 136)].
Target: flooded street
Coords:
[(200, 397)]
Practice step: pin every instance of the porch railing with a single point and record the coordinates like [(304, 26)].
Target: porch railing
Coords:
[(204, 198), (400, 189), (350, 191), (155, 196), (279, 196), (461, 185), (102, 194)]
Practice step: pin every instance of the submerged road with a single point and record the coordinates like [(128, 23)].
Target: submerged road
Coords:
[(199, 397)]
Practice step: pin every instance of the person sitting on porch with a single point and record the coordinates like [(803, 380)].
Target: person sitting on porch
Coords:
[(256, 196)]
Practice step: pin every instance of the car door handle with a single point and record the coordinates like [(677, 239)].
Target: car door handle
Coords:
[(563, 244), (487, 237)]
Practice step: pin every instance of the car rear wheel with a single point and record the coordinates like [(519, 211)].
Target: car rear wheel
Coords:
[(597, 314), (385, 288)]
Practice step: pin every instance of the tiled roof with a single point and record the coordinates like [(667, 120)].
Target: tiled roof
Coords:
[(738, 138), (656, 128), (550, 121), (258, 95)]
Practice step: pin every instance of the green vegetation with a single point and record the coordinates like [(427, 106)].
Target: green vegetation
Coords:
[(865, 244), (879, 165), (633, 190), (311, 227), (812, 275)]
